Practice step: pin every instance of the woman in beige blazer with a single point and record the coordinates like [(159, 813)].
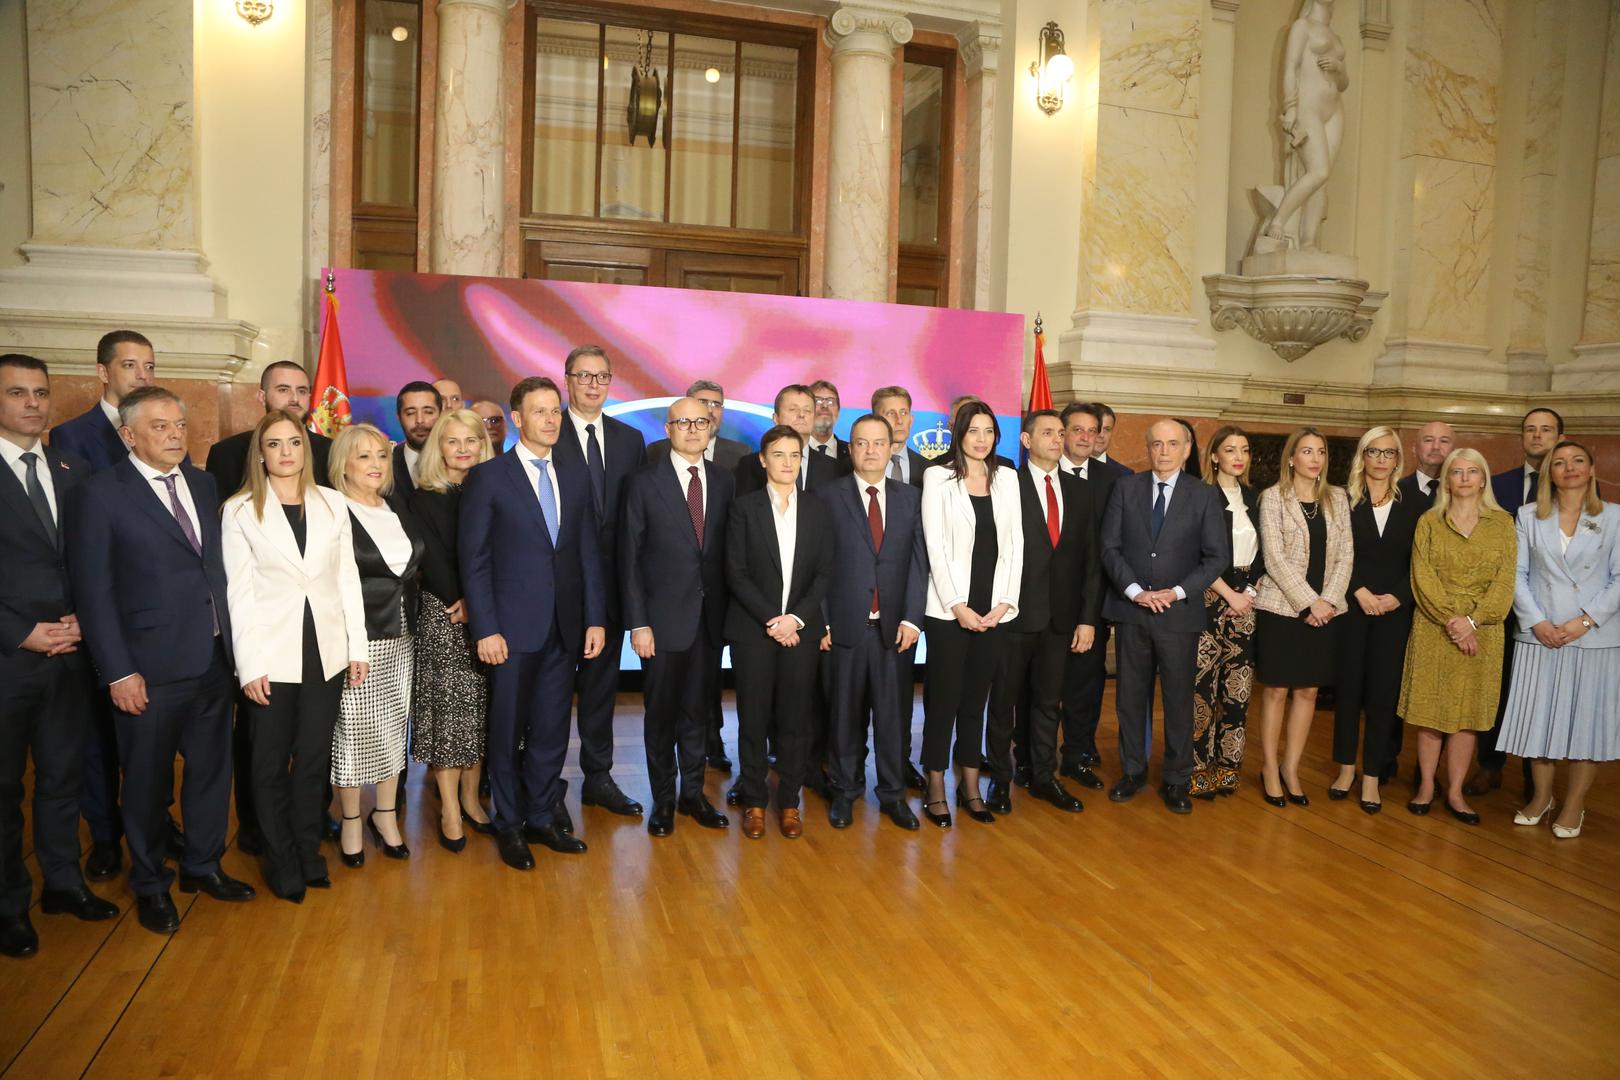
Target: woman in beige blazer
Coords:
[(1305, 533), (298, 627)]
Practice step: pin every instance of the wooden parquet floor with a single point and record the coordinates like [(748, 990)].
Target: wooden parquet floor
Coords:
[(1121, 942)]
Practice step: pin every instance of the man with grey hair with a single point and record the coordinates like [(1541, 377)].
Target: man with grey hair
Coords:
[(724, 452)]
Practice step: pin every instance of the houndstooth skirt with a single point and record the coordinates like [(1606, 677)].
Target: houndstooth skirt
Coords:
[(368, 743)]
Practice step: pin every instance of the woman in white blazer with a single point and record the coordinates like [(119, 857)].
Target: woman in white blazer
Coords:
[(298, 627), (973, 525), (1564, 698)]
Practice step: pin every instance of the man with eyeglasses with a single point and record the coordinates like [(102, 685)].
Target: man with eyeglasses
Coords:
[(795, 408), (608, 451), (724, 452), (822, 440), (494, 422)]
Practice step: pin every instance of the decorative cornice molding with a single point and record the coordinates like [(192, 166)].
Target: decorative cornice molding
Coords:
[(980, 48), (1376, 24), (1224, 10)]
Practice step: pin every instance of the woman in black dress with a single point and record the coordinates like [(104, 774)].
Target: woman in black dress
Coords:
[(450, 697), (1372, 635), (1305, 533)]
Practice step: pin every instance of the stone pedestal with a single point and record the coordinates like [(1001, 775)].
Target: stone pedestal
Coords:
[(469, 139)]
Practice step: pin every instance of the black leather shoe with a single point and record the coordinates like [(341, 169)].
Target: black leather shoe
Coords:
[(1371, 807), (733, 796), (1023, 776), (607, 795), (294, 897), (331, 828), (1082, 775), (966, 797), (718, 761), (901, 815), (17, 936), (454, 845), (661, 822), (1176, 798), (1053, 792), (157, 913), (1419, 808), (553, 837), (840, 812), (324, 881), (250, 841), (1301, 799), (393, 851), (514, 852), (561, 818), (81, 903), (914, 778), (700, 810), (1337, 794), (219, 885), (482, 828), (1126, 789), (104, 863), (1000, 799), (1467, 817)]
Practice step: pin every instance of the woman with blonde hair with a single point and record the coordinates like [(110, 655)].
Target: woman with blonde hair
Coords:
[(368, 744), (1372, 638), (450, 696), (1464, 562), (297, 627), (1305, 533), (1564, 698), (1225, 675)]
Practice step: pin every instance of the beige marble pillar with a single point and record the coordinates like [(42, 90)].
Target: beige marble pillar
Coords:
[(863, 43), (1597, 357), (469, 139), (981, 52)]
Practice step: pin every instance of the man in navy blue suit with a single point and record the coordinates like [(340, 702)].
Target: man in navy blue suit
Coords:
[(124, 363), (672, 577), (609, 451), (874, 616), (531, 567), (1105, 439), (143, 547)]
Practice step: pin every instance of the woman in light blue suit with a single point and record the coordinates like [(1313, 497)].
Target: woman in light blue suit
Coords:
[(1564, 702)]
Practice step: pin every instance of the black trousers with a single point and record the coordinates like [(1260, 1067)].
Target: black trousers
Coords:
[(1084, 676), (1372, 656), (1140, 650), (679, 689), (529, 700), (98, 792), (1024, 704), (191, 717), (291, 740), (596, 683), (774, 687), (961, 666), (819, 725), (247, 814), (44, 711), (906, 678), (865, 672)]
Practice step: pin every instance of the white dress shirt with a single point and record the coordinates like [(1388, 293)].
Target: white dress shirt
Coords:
[(578, 422), (1381, 515), (1070, 467), (883, 512), (162, 490), (42, 469), (1245, 538), (681, 466), (525, 455), (111, 413), (1041, 476), (1133, 589), (787, 539), (830, 447), (412, 456), (1425, 482)]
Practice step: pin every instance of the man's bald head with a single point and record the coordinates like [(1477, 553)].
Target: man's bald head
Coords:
[(1435, 440)]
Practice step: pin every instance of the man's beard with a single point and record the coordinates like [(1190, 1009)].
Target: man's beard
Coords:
[(822, 429)]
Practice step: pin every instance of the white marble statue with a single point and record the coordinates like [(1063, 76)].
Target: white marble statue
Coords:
[(1314, 82)]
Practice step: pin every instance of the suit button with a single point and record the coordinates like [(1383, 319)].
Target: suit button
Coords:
[(1153, 554)]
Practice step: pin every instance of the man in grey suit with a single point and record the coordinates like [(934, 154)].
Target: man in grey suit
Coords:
[(1164, 541)]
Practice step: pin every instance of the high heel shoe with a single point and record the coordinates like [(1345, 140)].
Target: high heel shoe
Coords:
[(353, 859), (981, 815), (1336, 794), (393, 851), (942, 820), (1467, 817), (452, 845), (1569, 834), (483, 828), (1521, 818), (1279, 801), (1301, 799)]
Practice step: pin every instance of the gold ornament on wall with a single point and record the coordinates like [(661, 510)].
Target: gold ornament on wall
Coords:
[(1052, 69), (255, 11), (646, 96)]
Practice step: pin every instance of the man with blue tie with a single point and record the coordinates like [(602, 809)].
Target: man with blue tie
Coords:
[(672, 573), (532, 572), (609, 451), (143, 544)]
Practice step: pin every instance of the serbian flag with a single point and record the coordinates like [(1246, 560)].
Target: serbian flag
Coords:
[(329, 411), (1040, 391)]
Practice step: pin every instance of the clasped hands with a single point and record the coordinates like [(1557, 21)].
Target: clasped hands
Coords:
[(1372, 603), (1156, 600), (1557, 635), (55, 638), (971, 620), (1462, 634)]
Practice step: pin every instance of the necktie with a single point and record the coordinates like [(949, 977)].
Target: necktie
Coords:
[(548, 499), (694, 502), (894, 469), (1053, 526), (36, 495), (178, 509), (1158, 509), (1530, 496), (874, 521), (593, 464)]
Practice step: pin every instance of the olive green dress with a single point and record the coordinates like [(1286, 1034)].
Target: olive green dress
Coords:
[(1453, 575)]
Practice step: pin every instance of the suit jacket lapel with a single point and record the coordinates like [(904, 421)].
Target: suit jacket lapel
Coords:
[(524, 492), (767, 522), (674, 493), (711, 505), (280, 533), (16, 497), (144, 492)]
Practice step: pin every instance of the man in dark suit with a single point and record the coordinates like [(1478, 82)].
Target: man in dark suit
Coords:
[(1084, 673), (44, 678), (1435, 441), (608, 450), (893, 403), (417, 406), (822, 441), (1057, 618), (795, 408), (1105, 439), (143, 546), (672, 580), (724, 452), (532, 572), (124, 363), (874, 616), (1164, 540)]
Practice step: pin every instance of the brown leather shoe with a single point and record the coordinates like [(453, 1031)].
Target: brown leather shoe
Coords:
[(792, 823), (754, 822), (1483, 782)]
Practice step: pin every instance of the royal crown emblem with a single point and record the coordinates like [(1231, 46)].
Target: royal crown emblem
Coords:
[(331, 413), (932, 442)]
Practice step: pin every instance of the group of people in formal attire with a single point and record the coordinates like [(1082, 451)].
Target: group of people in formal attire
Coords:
[(308, 613)]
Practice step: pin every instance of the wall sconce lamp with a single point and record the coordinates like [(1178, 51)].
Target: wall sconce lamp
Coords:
[(1051, 70), (255, 11)]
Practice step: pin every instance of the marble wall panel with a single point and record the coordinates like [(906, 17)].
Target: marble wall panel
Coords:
[(1546, 94), (1452, 215), (1602, 322), (1609, 117), (1150, 52), (1453, 72), (1531, 253)]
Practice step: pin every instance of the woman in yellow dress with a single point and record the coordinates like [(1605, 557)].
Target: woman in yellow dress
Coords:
[(1464, 561)]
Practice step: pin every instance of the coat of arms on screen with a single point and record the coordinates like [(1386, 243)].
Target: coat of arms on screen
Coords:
[(932, 442)]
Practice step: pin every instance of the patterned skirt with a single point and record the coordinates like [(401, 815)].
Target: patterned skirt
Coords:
[(368, 744), (1563, 704), (451, 697)]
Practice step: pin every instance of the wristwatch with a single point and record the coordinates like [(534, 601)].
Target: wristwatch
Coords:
[(1586, 622)]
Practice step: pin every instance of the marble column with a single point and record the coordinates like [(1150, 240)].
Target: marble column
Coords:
[(863, 43), (1597, 357), (981, 51), (469, 139)]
